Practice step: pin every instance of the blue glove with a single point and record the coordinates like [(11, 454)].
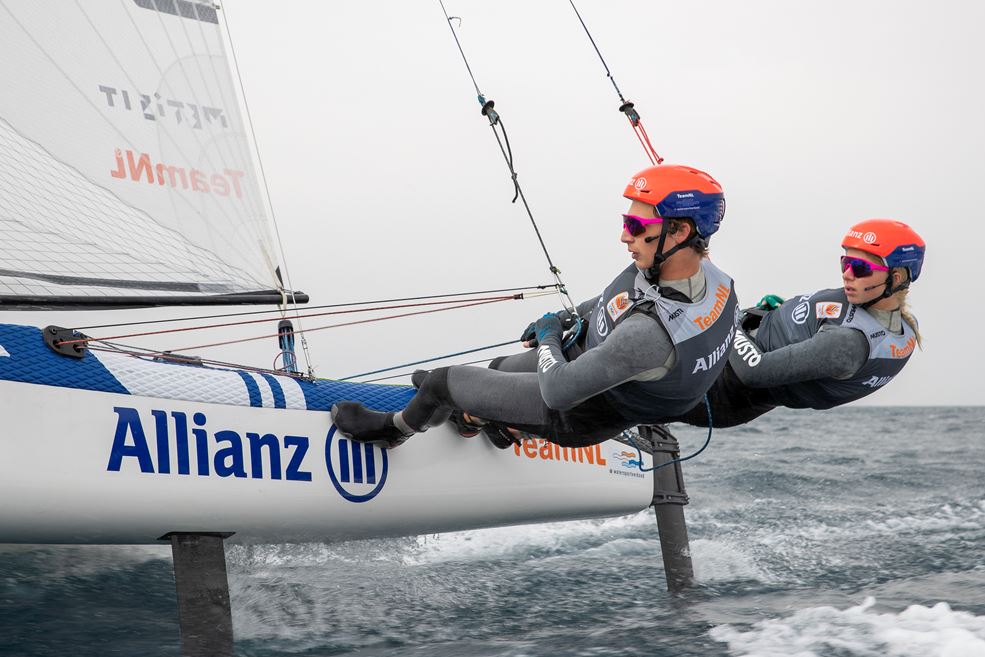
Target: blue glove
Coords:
[(547, 325), (562, 319)]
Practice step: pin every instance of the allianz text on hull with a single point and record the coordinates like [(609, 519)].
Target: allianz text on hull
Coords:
[(84, 466)]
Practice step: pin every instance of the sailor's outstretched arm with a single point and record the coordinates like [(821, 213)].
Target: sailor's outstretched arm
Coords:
[(834, 352), (526, 361), (639, 348)]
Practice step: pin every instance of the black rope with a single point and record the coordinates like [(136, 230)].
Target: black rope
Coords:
[(458, 43), (626, 107), (507, 151), (334, 305), (598, 52)]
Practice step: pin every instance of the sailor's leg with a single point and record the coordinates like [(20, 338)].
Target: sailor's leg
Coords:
[(523, 362), (495, 396), (506, 399), (430, 405)]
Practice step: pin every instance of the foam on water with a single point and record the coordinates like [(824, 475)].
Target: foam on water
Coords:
[(917, 631), (946, 517), (63, 561), (510, 542), (722, 561)]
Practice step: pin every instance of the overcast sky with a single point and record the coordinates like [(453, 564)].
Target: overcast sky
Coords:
[(387, 182)]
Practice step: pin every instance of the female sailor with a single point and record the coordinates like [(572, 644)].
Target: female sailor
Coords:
[(656, 338), (828, 348)]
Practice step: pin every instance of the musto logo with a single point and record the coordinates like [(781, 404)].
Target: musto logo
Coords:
[(357, 470), (181, 443)]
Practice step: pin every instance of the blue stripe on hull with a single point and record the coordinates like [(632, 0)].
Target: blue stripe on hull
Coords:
[(320, 395), (31, 361), (252, 389), (277, 391)]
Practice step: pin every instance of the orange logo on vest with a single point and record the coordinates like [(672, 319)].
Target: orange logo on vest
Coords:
[(905, 351), (721, 296)]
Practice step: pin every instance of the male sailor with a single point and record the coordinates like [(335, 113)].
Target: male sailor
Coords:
[(654, 342)]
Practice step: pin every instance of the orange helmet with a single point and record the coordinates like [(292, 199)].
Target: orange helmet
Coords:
[(893, 241), (681, 191)]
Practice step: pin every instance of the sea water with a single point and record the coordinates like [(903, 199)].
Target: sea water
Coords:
[(851, 533)]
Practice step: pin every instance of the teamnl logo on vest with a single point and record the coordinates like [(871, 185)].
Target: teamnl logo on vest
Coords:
[(172, 443)]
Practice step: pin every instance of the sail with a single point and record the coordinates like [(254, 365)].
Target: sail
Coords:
[(126, 173)]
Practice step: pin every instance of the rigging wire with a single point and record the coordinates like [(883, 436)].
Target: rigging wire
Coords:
[(402, 374), (427, 360), (329, 326), (182, 329), (626, 107), (494, 121), (270, 204), (321, 307), (143, 353)]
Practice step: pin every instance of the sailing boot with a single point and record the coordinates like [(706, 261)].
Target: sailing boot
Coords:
[(466, 425), (500, 435), (356, 422)]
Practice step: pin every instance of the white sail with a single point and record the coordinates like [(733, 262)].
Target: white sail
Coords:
[(125, 167)]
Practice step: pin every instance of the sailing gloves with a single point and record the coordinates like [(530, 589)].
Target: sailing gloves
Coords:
[(770, 302), (550, 323)]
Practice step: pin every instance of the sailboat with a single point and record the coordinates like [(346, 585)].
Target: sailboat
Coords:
[(128, 179)]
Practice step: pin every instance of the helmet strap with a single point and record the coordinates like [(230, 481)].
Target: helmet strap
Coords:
[(888, 292), (653, 273)]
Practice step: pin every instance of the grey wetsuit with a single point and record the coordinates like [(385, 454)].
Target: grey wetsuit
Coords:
[(815, 351), (565, 402)]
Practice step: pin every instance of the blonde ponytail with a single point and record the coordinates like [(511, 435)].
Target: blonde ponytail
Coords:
[(908, 317)]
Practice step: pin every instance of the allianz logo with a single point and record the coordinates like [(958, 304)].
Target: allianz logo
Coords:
[(174, 443)]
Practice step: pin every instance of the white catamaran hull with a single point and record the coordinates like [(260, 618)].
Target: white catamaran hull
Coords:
[(92, 466)]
